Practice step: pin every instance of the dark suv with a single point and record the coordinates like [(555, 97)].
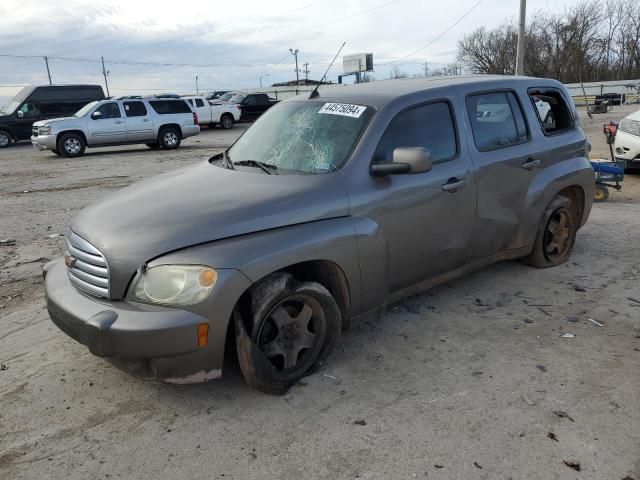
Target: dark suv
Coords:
[(35, 103)]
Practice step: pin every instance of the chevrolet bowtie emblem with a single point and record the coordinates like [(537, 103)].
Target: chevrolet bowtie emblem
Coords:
[(69, 261)]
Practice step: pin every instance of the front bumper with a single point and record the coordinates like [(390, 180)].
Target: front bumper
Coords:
[(44, 142), (148, 341)]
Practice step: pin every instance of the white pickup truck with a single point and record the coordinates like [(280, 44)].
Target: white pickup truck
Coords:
[(224, 115)]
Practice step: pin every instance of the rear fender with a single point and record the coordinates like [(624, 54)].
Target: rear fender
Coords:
[(549, 181)]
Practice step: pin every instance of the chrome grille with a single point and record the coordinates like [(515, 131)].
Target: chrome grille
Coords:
[(87, 267)]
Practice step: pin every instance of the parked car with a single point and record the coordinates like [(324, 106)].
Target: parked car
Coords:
[(39, 102), (224, 115), (322, 212), (627, 142), (225, 98), (158, 122), (216, 94), (252, 105)]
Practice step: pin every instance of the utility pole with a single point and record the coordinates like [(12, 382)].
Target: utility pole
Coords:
[(521, 33), (426, 69), (46, 61), (105, 73), (295, 54), (197, 91), (263, 76), (306, 72)]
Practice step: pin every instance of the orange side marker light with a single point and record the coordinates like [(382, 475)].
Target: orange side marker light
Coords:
[(203, 334)]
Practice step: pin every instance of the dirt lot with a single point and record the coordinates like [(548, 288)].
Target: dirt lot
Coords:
[(461, 382)]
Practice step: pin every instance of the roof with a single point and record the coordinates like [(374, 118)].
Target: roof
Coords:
[(377, 94)]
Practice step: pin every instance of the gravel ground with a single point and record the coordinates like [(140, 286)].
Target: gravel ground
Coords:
[(467, 381)]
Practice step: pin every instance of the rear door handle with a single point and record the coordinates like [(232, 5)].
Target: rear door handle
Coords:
[(530, 164), (146, 120), (118, 122), (454, 184)]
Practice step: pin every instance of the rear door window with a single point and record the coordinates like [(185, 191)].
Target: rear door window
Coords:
[(135, 109), (429, 126), (496, 120), (164, 107), (199, 103), (552, 110)]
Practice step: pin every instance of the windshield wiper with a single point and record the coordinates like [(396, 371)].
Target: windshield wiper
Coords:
[(268, 168)]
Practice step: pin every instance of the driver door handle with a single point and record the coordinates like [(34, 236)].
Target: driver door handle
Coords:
[(118, 122), (146, 120), (530, 164), (454, 184)]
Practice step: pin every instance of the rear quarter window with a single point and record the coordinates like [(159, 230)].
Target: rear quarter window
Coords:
[(165, 107), (552, 110)]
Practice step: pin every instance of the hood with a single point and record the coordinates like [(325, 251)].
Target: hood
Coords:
[(51, 121), (200, 204)]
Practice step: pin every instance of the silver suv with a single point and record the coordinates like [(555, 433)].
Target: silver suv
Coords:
[(156, 122)]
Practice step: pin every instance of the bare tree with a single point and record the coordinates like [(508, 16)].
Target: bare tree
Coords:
[(593, 40)]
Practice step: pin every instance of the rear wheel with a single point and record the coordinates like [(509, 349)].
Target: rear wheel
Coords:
[(169, 138), (601, 193), (226, 121), (71, 145), (293, 327), (5, 139), (556, 234)]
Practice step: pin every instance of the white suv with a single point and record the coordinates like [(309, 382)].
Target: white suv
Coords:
[(156, 121), (627, 145)]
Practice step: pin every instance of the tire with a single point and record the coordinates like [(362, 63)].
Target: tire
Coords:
[(152, 146), (292, 328), (560, 220), (71, 145), (5, 139), (226, 121), (601, 193), (169, 138)]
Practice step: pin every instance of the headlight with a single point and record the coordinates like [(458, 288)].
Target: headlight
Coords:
[(175, 284), (44, 130)]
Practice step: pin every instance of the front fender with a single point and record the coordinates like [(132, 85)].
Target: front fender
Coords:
[(9, 130), (335, 240), (575, 171)]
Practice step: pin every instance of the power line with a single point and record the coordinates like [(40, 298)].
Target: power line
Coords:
[(433, 40)]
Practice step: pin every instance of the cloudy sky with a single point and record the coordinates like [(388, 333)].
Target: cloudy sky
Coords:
[(230, 44)]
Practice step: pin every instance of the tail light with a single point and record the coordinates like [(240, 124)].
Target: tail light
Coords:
[(195, 118)]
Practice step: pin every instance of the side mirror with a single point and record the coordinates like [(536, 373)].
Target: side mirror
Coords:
[(405, 160), (96, 115), (20, 114)]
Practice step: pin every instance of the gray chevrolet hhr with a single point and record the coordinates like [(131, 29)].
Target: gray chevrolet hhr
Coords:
[(326, 209)]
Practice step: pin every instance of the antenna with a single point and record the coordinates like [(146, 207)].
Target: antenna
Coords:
[(315, 93)]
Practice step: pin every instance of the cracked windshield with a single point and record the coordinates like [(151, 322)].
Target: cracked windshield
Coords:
[(309, 137)]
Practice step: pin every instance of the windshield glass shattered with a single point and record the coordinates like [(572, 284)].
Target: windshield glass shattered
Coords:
[(308, 137)]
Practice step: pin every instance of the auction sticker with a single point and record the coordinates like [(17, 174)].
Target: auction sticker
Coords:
[(344, 109)]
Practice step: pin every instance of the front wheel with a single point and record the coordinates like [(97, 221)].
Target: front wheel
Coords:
[(5, 139), (169, 138), (226, 121), (556, 234), (71, 145), (293, 327), (601, 193)]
